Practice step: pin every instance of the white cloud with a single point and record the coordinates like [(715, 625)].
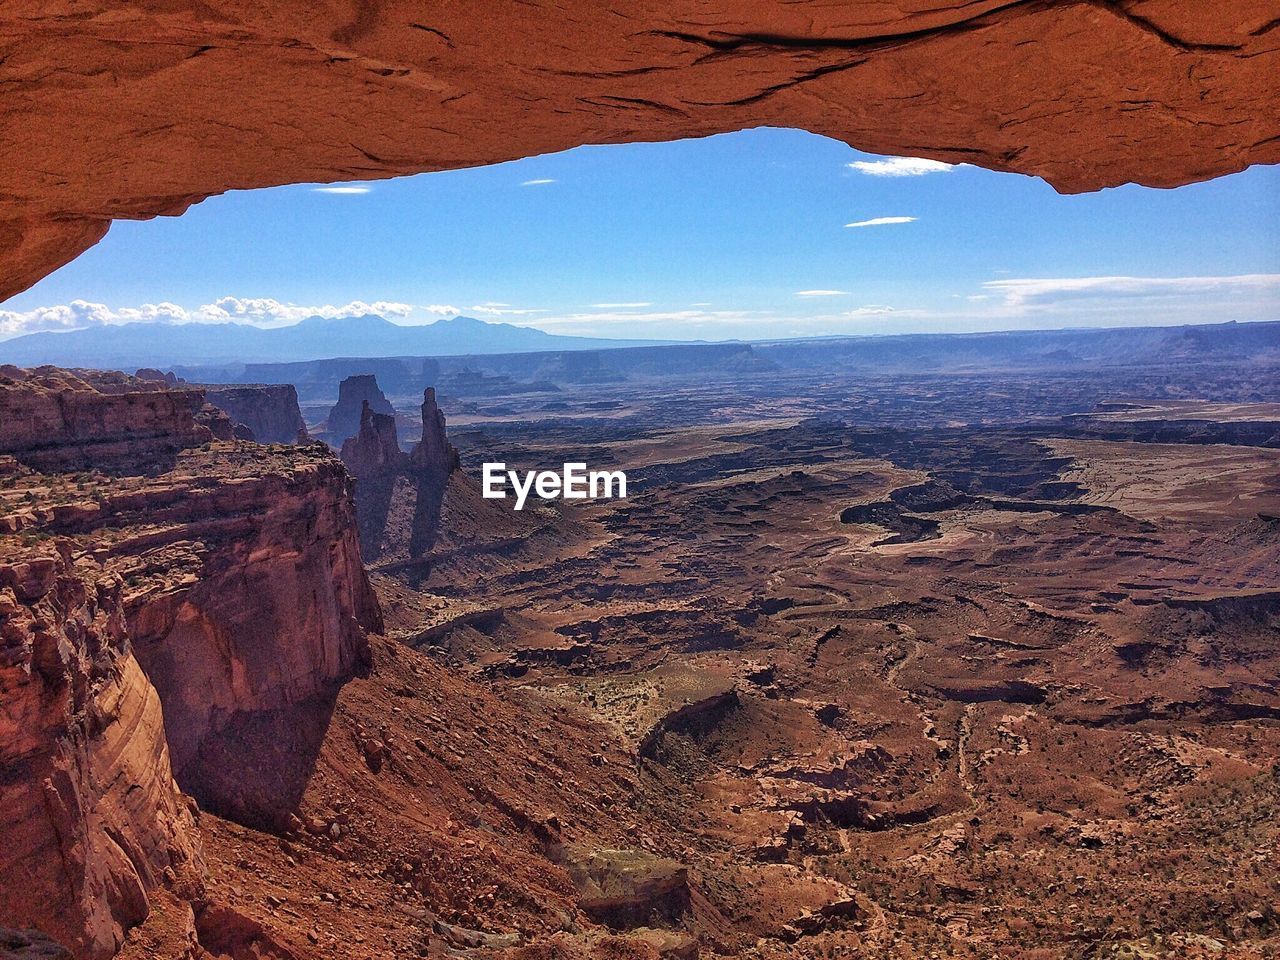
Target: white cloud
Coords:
[(263, 312), (259, 312), (635, 304), (491, 309), (901, 167), (685, 319), (439, 309), (881, 221), (344, 191), (1023, 294), (822, 293), (79, 314), (537, 183), (267, 312)]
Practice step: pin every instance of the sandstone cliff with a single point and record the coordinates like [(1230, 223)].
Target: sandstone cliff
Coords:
[(192, 625), (375, 449), (62, 420), (353, 393), (245, 591), (268, 611), (220, 426), (270, 410), (91, 817), (434, 453)]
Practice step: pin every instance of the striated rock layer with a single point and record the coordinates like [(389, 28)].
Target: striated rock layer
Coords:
[(92, 819), (60, 420), (178, 612), (1083, 93), (268, 611)]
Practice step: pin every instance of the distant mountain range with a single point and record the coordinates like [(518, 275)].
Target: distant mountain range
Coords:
[(131, 345)]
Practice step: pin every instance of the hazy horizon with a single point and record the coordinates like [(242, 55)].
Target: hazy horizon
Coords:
[(1048, 326)]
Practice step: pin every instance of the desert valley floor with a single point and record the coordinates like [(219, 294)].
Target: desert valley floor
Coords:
[(885, 666)]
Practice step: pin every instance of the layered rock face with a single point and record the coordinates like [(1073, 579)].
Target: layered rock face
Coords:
[(353, 394), (220, 426), (270, 411), (246, 592), (209, 611), (60, 420), (1084, 94), (269, 610), (92, 819)]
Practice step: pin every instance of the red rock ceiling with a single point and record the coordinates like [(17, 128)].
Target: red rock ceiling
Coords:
[(137, 108)]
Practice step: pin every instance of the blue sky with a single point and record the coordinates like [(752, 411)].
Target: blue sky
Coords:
[(741, 235)]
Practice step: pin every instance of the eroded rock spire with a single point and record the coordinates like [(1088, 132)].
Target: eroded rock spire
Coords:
[(434, 453)]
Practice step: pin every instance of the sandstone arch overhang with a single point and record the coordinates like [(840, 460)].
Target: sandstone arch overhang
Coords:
[(138, 108)]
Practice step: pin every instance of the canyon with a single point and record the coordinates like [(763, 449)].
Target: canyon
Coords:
[(898, 647), (863, 666)]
